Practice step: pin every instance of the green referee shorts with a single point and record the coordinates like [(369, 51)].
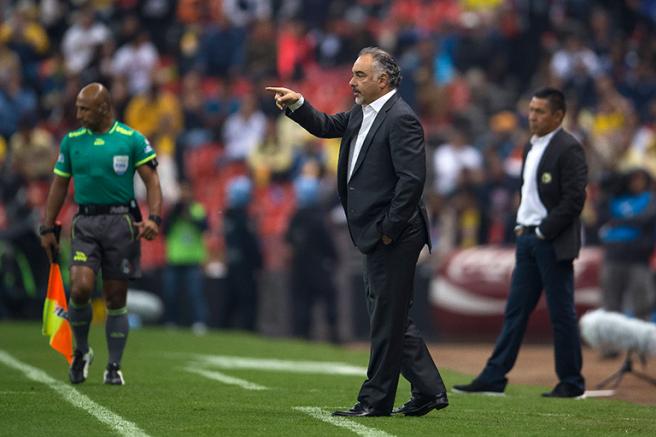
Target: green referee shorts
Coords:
[(107, 241)]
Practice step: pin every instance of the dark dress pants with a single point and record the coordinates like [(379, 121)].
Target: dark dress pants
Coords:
[(396, 344), (536, 269)]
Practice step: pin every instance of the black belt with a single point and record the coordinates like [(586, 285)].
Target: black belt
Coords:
[(525, 230), (103, 209)]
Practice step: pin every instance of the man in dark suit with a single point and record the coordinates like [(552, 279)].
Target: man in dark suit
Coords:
[(554, 176), (381, 172)]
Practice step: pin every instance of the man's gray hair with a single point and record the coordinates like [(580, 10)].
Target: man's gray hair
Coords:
[(384, 63)]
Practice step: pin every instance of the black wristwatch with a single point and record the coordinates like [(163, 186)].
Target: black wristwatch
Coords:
[(43, 230), (157, 219)]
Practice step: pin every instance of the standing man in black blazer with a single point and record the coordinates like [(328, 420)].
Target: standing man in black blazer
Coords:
[(554, 176), (380, 178)]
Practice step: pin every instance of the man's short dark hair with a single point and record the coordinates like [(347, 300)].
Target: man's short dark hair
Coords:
[(555, 97), (384, 63)]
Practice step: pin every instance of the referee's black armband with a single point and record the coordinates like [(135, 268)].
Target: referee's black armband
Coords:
[(157, 219)]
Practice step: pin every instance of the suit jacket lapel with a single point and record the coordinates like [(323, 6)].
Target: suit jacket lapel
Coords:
[(342, 163), (378, 121), (527, 148), (550, 154)]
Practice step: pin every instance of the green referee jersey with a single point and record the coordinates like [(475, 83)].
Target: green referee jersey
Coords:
[(103, 164)]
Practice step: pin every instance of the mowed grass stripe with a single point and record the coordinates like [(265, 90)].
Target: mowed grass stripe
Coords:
[(74, 397), (226, 379), (280, 365), (165, 400), (341, 422)]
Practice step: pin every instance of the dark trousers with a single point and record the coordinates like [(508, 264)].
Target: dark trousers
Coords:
[(311, 284), (189, 277), (239, 300), (536, 269), (396, 344)]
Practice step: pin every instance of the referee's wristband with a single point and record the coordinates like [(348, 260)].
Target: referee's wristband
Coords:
[(155, 218), (43, 230)]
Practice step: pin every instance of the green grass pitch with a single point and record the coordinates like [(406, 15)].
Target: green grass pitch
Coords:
[(168, 393)]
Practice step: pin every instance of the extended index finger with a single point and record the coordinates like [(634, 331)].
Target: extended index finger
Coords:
[(276, 89)]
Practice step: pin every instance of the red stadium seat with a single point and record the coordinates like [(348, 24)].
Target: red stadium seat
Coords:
[(202, 161)]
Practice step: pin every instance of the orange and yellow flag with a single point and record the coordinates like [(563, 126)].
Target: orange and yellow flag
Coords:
[(55, 315)]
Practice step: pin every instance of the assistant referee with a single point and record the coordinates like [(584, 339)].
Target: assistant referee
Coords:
[(102, 157)]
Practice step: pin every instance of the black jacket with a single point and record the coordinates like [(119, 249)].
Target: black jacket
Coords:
[(310, 239), (243, 254), (562, 176), (386, 192)]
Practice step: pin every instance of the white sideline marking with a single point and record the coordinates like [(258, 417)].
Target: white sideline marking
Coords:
[(114, 421), (313, 367), (222, 377), (342, 422), (597, 394)]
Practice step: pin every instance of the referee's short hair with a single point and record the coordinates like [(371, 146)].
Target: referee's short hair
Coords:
[(555, 97)]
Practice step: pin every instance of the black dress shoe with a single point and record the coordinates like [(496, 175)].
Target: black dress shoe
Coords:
[(564, 390), (359, 410), (479, 388), (422, 405)]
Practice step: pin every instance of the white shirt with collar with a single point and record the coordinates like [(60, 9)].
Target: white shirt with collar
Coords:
[(531, 211), (369, 113)]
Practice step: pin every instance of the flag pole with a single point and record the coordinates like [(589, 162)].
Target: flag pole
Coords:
[(55, 308)]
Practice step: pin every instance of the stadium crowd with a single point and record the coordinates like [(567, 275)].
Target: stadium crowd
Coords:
[(190, 75)]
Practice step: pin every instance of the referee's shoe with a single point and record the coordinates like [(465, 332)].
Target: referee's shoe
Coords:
[(79, 369), (113, 375)]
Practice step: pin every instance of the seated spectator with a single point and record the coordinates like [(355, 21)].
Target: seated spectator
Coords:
[(572, 56), (27, 37), (244, 130), (196, 11), (10, 63), (194, 114), (144, 111), (294, 51), (452, 159), (271, 158), (221, 51), (260, 51), (608, 121), (16, 101), (136, 61), (241, 13), (32, 150), (81, 40)]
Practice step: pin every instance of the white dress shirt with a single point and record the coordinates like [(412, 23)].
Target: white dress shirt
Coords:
[(369, 113), (531, 210)]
